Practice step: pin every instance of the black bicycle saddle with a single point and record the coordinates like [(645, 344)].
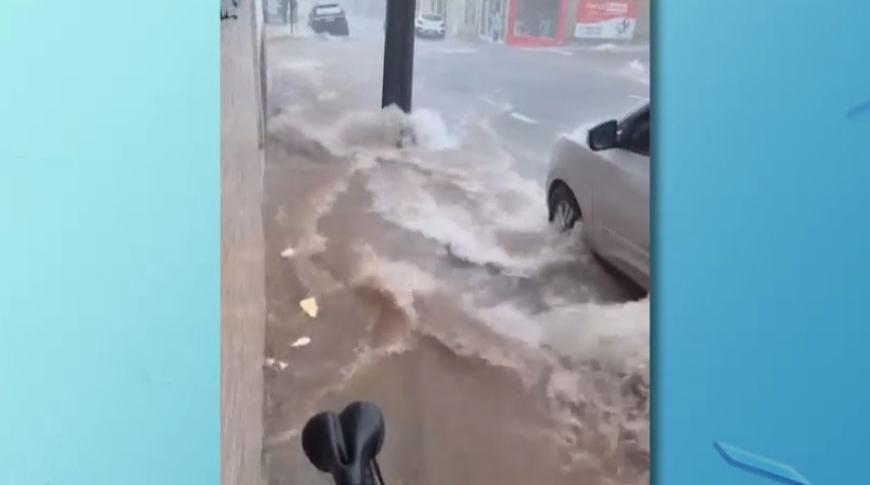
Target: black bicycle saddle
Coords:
[(345, 444)]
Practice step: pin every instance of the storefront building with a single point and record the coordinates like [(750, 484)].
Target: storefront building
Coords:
[(535, 23), (542, 23), (606, 19)]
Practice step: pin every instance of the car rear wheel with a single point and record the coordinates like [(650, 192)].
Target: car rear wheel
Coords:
[(564, 209)]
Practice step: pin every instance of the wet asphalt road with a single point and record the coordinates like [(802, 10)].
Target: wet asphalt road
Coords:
[(531, 95)]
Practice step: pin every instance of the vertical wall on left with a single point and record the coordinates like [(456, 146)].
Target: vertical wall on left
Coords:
[(242, 272)]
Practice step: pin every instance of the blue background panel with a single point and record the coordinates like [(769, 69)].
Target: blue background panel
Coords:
[(762, 268), (109, 209), (109, 149)]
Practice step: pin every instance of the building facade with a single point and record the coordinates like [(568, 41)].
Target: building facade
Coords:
[(453, 12), (485, 19), (526, 23), (544, 23)]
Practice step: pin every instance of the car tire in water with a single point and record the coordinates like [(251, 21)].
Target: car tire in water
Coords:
[(564, 209)]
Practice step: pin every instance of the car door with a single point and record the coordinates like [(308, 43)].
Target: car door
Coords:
[(622, 199)]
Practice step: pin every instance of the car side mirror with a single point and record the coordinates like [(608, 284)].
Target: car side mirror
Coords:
[(603, 136)]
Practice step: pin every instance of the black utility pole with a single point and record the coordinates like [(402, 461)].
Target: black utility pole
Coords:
[(399, 54)]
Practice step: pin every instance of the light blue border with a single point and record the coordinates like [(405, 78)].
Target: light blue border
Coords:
[(109, 255), (762, 238)]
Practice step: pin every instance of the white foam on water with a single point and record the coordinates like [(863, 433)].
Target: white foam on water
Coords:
[(607, 46), (636, 71), (524, 118), (353, 131), (494, 199), (404, 280), (306, 74), (431, 132), (419, 193), (598, 387), (595, 384), (321, 200), (453, 226), (510, 321), (470, 229), (617, 334)]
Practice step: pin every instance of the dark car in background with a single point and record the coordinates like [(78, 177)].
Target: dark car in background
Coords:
[(328, 18)]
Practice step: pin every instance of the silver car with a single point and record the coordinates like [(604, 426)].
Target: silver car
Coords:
[(603, 181)]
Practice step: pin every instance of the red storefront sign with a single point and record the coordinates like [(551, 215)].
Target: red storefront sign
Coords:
[(606, 19), (536, 23)]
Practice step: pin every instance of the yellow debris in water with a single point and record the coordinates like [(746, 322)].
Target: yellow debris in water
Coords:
[(309, 306)]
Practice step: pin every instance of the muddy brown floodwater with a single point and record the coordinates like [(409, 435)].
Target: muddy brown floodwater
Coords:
[(500, 351)]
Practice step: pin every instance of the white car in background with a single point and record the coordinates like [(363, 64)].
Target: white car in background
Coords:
[(603, 182), (430, 25)]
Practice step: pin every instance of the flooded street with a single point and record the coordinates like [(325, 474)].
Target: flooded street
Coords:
[(501, 351)]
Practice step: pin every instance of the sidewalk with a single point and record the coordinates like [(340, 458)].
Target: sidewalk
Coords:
[(242, 272)]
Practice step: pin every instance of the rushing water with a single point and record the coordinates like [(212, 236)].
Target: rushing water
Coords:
[(501, 351)]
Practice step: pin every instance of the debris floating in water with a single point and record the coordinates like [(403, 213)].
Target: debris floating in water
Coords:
[(301, 342), (272, 363), (309, 306), (288, 253)]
